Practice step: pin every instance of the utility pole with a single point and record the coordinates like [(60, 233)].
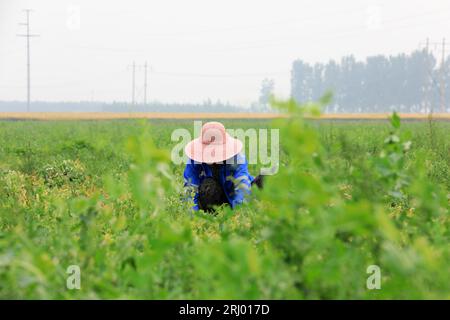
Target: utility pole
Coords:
[(145, 83), (428, 105), (28, 36), (134, 68), (133, 83), (434, 83), (442, 89)]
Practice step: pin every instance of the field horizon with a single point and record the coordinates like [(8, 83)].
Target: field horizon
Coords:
[(205, 115)]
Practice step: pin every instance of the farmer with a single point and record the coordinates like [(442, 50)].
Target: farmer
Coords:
[(216, 172)]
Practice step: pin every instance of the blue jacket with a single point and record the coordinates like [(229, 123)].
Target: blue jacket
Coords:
[(234, 179)]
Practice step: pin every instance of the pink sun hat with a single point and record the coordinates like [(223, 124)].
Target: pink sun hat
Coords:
[(213, 145)]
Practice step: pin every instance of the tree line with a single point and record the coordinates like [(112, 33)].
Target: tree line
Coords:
[(93, 106), (404, 82)]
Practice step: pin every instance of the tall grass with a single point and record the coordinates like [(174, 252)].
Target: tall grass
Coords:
[(104, 196)]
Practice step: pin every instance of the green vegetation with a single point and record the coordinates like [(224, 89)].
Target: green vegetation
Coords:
[(105, 196)]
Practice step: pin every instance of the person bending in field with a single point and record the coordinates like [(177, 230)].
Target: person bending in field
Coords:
[(216, 172)]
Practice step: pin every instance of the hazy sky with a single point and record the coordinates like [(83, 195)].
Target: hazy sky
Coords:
[(197, 49)]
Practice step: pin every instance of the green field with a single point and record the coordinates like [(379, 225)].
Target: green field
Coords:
[(104, 196)]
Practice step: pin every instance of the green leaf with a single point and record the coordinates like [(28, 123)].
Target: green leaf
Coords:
[(395, 120)]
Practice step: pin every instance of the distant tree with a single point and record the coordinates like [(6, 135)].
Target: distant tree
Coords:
[(331, 82), (301, 81), (317, 88), (267, 89), (447, 84), (407, 83)]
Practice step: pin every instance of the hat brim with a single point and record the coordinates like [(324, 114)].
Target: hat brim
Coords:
[(211, 153)]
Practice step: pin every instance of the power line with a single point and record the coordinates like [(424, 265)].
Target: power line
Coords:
[(388, 25), (319, 18), (28, 36)]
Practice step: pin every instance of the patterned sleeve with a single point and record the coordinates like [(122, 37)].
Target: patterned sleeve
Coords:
[(191, 183), (241, 181)]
